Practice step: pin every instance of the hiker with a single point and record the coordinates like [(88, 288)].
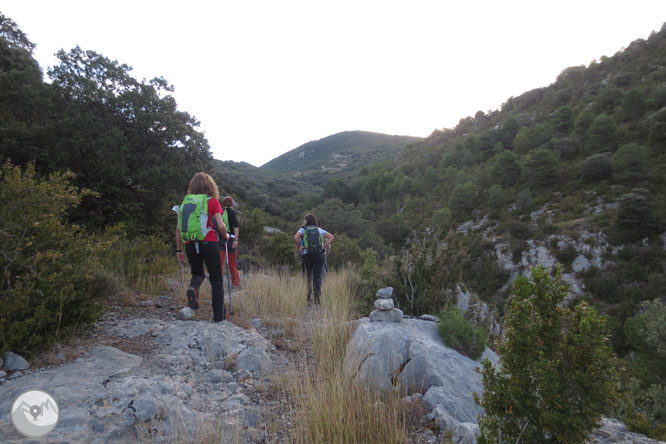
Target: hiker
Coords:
[(206, 250), (315, 241), (231, 224)]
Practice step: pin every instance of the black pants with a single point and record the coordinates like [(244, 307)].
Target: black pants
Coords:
[(209, 253), (313, 264)]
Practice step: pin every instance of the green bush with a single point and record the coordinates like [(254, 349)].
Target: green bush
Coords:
[(49, 282), (460, 334), (425, 276), (344, 251), (557, 375)]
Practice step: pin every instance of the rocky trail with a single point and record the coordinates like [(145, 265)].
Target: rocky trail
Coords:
[(143, 375)]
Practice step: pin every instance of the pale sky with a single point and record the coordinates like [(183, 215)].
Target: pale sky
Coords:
[(266, 76)]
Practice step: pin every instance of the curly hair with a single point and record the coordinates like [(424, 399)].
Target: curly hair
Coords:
[(202, 183)]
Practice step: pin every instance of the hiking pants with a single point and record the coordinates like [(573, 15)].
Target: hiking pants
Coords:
[(233, 267), (209, 254), (313, 265)]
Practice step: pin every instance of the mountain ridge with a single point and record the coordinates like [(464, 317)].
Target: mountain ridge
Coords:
[(337, 155)]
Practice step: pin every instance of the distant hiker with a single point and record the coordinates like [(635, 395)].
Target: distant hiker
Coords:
[(195, 226), (231, 245), (315, 241)]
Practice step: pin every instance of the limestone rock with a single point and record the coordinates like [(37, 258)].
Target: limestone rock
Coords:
[(185, 314), (581, 264), (15, 362), (384, 304), (107, 394), (412, 355), (394, 315), (385, 293)]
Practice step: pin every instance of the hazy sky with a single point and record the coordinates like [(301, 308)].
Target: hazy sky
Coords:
[(265, 76)]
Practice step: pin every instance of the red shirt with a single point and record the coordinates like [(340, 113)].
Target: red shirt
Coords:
[(214, 208)]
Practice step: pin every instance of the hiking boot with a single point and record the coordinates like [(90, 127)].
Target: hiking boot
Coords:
[(192, 296)]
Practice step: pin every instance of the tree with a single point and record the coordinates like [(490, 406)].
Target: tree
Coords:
[(629, 163), (522, 141), (124, 138), (635, 216), (601, 136), (596, 167), (463, 198), (563, 120), (541, 168), (633, 105), (557, 375), (506, 169)]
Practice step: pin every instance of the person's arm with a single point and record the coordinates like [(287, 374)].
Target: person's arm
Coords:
[(179, 247), (217, 218), (235, 237), (329, 239), (233, 222), (297, 244)]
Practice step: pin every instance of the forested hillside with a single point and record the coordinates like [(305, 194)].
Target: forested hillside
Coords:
[(338, 156)]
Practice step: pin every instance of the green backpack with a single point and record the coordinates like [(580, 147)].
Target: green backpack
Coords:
[(312, 239), (193, 217)]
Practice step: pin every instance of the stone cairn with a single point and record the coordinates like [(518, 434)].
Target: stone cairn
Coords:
[(385, 310)]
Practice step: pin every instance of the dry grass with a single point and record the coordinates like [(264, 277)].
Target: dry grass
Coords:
[(324, 406), (319, 404)]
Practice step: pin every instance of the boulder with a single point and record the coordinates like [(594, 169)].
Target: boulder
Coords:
[(108, 395), (411, 357), (15, 362)]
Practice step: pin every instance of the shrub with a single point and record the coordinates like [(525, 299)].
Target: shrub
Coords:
[(49, 280), (635, 216), (629, 163), (557, 374), (596, 167), (426, 275), (459, 333), (344, 251)]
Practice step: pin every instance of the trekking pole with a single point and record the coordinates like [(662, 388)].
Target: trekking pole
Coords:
[(231, 307)]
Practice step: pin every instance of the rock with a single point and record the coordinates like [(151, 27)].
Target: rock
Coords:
[(394, 315), (614, 432), (463, 300), (185, 313), (15, 362), (466, 433), (219, 376), (254, 359), (145, 409), (133, 327), (384, 304), (580, 264), (411, 355), (257, 323), (104, 394), (385, 293)]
